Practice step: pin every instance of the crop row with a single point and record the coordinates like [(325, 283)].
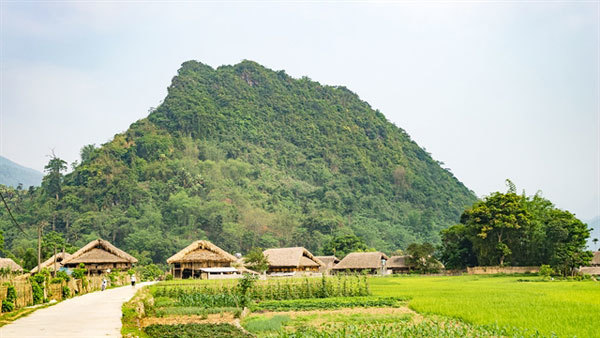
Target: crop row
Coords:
[(327, 303)]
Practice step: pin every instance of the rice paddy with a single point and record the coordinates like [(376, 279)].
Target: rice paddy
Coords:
[(563, 308)]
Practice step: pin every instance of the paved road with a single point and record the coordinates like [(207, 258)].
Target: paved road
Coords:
[(96, 314)]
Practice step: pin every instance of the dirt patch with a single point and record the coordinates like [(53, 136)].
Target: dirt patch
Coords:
[(216, 318)]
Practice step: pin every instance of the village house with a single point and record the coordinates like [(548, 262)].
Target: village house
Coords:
[(9, 265), (292, 262), (372, 262), (594, 268), (329, 262), (204, 260), (51, 262), (98, 257), (398, 264)]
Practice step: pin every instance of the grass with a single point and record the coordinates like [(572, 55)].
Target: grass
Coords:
[(327, 303), (563, 308)]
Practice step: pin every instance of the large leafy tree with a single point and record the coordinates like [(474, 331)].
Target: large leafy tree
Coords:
[(340, 246), (506, 228), (497, 223)]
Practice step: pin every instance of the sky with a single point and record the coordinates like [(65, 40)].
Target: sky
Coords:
[(495, 90)]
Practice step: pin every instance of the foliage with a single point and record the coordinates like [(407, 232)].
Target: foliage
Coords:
[(227, 294), (327, 303), (546, 271), (11, 293), (244, 286), (194, 330), (38, 292), (245, 157), (79, 273), (421, 258), (343, 245), (150, 272), (256, 260), (511, 229), (63, 275), (7, 306), (66, 292), (169, 277)]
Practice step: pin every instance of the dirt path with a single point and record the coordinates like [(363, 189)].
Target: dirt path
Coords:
[(96, 314)]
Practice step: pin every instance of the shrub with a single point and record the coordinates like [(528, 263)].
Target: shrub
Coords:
[(66, 292), (194, 330), (63, 275), (169, 277), (11, 294), (7, 306), (38, 293), (151, 272), (546, 271)]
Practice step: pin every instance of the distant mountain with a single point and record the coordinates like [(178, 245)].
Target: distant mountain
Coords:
[(12, 174), (595, 225)]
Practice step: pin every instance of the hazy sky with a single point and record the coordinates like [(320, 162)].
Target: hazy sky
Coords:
[(495, 90)]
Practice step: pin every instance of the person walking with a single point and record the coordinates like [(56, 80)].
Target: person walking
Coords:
[(104, 283), (133, 280)]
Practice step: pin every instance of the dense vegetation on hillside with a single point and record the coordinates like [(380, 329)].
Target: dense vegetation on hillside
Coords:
[(13, 174), (245, 157)]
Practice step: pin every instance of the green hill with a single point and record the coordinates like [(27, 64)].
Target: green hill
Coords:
[(13, 174), (246, 156)]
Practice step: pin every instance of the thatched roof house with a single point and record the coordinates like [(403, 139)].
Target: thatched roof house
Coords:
[(329, 262), (7, 263), (200, 259), (596, 259), (291, 260), (398, 264), (374, 262), (98, 256), (49, 263)]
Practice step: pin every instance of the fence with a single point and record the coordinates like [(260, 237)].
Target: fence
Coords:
[(490, 270), (53, 291)]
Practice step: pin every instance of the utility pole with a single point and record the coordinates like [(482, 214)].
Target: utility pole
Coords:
[(40, 227)]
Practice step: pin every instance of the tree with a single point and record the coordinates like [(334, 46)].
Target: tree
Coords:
[(52, 182), (566, 236), (421, 258), (343, 245), (456, 251), (595, 240), (86, 152), (497, 222), (256, 260)]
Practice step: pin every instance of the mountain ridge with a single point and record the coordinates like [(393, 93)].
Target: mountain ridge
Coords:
[(12, 173)]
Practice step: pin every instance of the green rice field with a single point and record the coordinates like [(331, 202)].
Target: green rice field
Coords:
[(562, 308)]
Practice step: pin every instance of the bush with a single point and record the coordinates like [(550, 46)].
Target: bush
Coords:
[(66, 292), (11, 294), (63, 275), (38, 293), (7, 306), (546, 271), (151, 272), (169, 277)]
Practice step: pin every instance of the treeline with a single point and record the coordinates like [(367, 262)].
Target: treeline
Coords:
[(516, 230), (245, 157)]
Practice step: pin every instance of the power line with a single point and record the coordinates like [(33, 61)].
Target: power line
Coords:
[(11, 215)]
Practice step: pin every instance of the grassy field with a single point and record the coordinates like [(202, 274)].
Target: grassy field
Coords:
[(563, 308)]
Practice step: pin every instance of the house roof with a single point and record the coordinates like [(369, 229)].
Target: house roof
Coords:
[(328, 260), (49, 263), (99, 251), (398, 262), (200, 251), (596, 259), (9, 263), (361, 260), (291, 257)]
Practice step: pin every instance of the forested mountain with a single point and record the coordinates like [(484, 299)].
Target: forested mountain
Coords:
[(245, 156), (13, 174)]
